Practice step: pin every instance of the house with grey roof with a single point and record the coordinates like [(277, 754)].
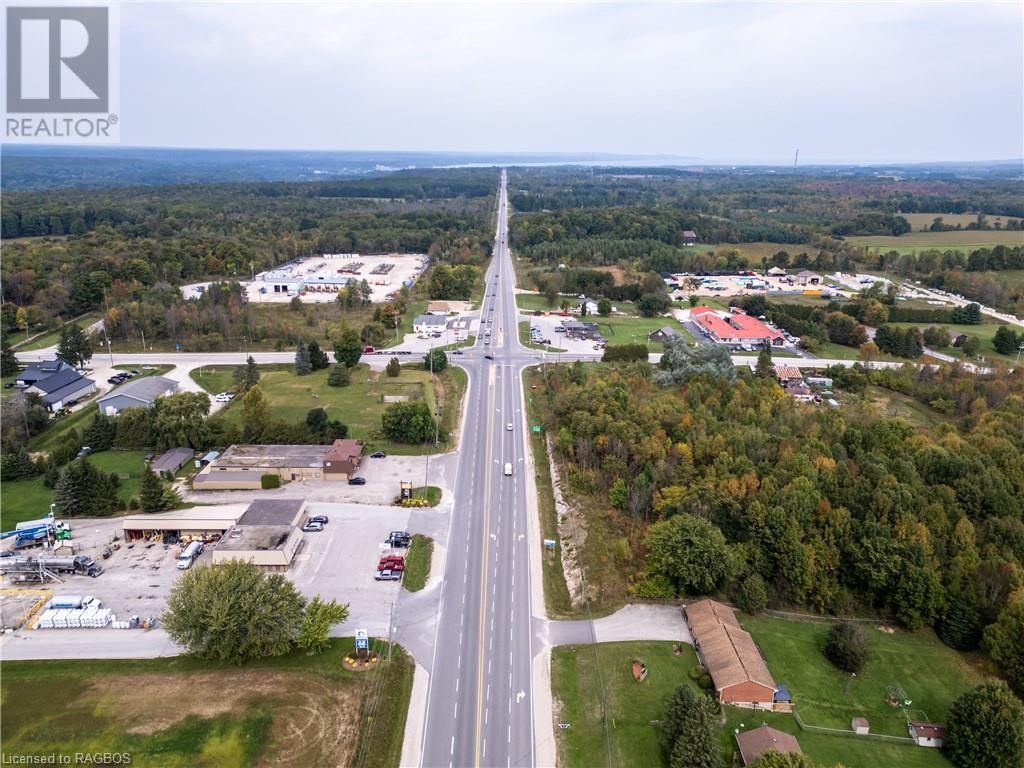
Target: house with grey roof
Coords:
[(429, 323), (137, 393), (41, 370)]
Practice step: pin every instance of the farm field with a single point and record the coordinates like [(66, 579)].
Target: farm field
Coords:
[(931, 673), (924, 220), (295, 710), (359, 405), (955, 240), (29, 499)]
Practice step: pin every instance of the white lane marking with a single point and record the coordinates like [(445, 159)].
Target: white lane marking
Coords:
[(485, 748), (456, 710), (487, 713), (492, 644), (488, 691), (488, 666), (456, 687), (453, 745), (510, 733), (460, 638), (460, 661)]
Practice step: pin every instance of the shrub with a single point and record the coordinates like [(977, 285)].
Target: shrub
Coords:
[(705, 682), (339, 376), (268, 482), (752, 597), (697, 672), (656, 585), (847, 646)]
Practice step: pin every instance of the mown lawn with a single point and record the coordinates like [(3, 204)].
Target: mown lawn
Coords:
[(417, 563), (635, 330), (632, 739), (931, 673), (180, 711), (49, 339), (30, 499), (359, 405)]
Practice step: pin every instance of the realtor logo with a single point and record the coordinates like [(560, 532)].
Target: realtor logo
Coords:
[(58, 60)]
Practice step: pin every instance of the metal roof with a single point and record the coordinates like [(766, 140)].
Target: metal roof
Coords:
[(146, 390)]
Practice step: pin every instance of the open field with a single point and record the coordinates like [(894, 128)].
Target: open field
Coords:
[(29, 499), (556, 593), (359, 405), (921, 221), (417, 563), (897, 405), (984, 332), (295, 710), (635, 330), (956, 240), (42, 341), (632, 739), (931, 673)]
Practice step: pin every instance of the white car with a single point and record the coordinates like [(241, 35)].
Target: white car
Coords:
[(225, 397), (508, 426)]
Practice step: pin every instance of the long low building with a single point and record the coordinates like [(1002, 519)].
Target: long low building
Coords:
[(241, 467), (205, 522), (268, 534), (735, 328)]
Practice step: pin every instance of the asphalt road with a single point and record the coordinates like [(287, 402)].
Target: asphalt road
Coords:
[(480, 697)]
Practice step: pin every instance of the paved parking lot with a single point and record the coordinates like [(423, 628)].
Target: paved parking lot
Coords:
[(547, 325)]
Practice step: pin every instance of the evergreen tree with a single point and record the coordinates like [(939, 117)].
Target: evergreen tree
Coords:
[(82, 490), (74, 346), (339, 376), (696, 732), (752, 597), (100, 433), (348, 348), (151, 495), (247, 376), (961, 626), (8, 360), (765, 368), (303, 366), (680, 704), (17, 464), (394, 368), (318, 359), (1005, 341), (1004, 640)]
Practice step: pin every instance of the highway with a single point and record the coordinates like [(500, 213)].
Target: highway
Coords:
[(480, 696)]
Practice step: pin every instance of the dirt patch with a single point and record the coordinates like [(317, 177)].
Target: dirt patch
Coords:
[(315, 721), (571, 533), (617, 273)]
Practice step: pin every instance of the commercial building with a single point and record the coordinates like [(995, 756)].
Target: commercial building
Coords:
[(268, 534), (242, 466), (62, 388), (197, 522), (137, 393), (757, 741), (574, 329), (735, 328), (342, 459), (41, 370), (728, 652), (806, 277), (429, 324)]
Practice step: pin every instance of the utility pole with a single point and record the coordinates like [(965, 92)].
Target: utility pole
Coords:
[(143, 332), (104, 324)]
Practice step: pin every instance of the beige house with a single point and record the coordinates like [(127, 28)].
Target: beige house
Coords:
[(242, 466), (267, 534)]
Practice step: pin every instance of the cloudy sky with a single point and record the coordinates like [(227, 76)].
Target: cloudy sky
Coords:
[(844, 82)]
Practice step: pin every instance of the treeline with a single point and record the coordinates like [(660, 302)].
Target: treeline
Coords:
[(836, 511)]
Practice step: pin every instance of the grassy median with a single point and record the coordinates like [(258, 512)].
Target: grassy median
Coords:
[(417, 563)]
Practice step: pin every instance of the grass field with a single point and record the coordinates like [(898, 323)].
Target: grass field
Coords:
[(42, 341), (359, 405), (897, 405), (932, 674), (635, 330), (984, 332), (968, 240), (296, 710), (30, 499), (632, 739), (417, 563), (556, 593), (924, 220)]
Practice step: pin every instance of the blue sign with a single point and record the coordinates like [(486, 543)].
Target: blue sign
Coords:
[(362, 640)]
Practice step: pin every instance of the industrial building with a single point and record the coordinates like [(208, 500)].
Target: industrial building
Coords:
[(137, 393), (268, 535), (241, 467), (196, 522)]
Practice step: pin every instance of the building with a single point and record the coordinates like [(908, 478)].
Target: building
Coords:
[(587, 306), (268, 534), (325, 283), (41, 370), (663, 334), (728, 652), (208, 522), (757, 741), (860, 726), (429, 324), (786, 373), (689, 237), (926, 734), (168, 463), (137, 393), (806, 277), (574, 329), (62, 387), (342, 459), (735, 329), (241, 467), (438, 308), (777, 272)]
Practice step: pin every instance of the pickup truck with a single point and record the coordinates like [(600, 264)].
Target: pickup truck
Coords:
[(388, 575)]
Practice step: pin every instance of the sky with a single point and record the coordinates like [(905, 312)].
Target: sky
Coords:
[(723, 82)]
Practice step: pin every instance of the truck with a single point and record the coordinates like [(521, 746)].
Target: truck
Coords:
[(32, 533), (27, 568), (189, 554)]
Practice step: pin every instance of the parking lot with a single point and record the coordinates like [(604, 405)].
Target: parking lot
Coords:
[(548, 325)]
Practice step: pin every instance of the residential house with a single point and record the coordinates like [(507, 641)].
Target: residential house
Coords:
[(926, 734), (689, 237), (438, 308), (738, 671), (777, 272), (663, 334), (757, 741), (587, 306), (137, 393)]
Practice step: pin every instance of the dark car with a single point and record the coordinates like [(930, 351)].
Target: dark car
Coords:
[(488, 356), (8, 385), (322, 519), (357, 481), (378, 455)]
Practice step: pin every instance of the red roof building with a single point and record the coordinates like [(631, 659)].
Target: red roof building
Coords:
[(735, 328)]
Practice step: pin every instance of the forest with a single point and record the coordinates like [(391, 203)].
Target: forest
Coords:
[(839, 511)]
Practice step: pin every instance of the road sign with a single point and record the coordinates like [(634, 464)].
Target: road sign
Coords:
[(362, 640), (536, 429)]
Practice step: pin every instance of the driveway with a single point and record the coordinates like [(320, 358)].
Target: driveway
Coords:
[(632, 622)]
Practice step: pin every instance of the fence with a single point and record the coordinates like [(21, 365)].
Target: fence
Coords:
[(905, 740)]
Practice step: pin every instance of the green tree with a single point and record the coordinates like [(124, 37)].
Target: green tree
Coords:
[(408, 422), (318, 359), (393, 368), (255, 410), (936, 337), (17, 464), (970, 346), (100, 433), (8, 360), (677, 713), (1006, 341), (151, 495), (697, 745), (604, 307), (960, 627), (689, 550), (180, 420), (873, 312), (765, 367), (348, 348), (436, 360), (317, 621), (84, 491), (619, 353), (847, 646), (246, 376), (1004, 640), (752, 597), (773, 759), (234, 613), (75, 346), (680, 363), (303, 364), (969, 314), (339, 376), (985, 728)]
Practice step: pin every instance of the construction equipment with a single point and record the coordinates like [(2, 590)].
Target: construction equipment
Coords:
[(33, 533)]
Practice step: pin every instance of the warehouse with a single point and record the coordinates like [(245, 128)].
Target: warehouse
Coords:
[(138, 393), (242, 466), (205, 522), (267, 535)]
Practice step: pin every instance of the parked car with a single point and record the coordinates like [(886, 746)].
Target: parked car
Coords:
[(357, 481), (318, 519), (313, 527), (378, 455), (368, 350), (225, 397), (388, 575)]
